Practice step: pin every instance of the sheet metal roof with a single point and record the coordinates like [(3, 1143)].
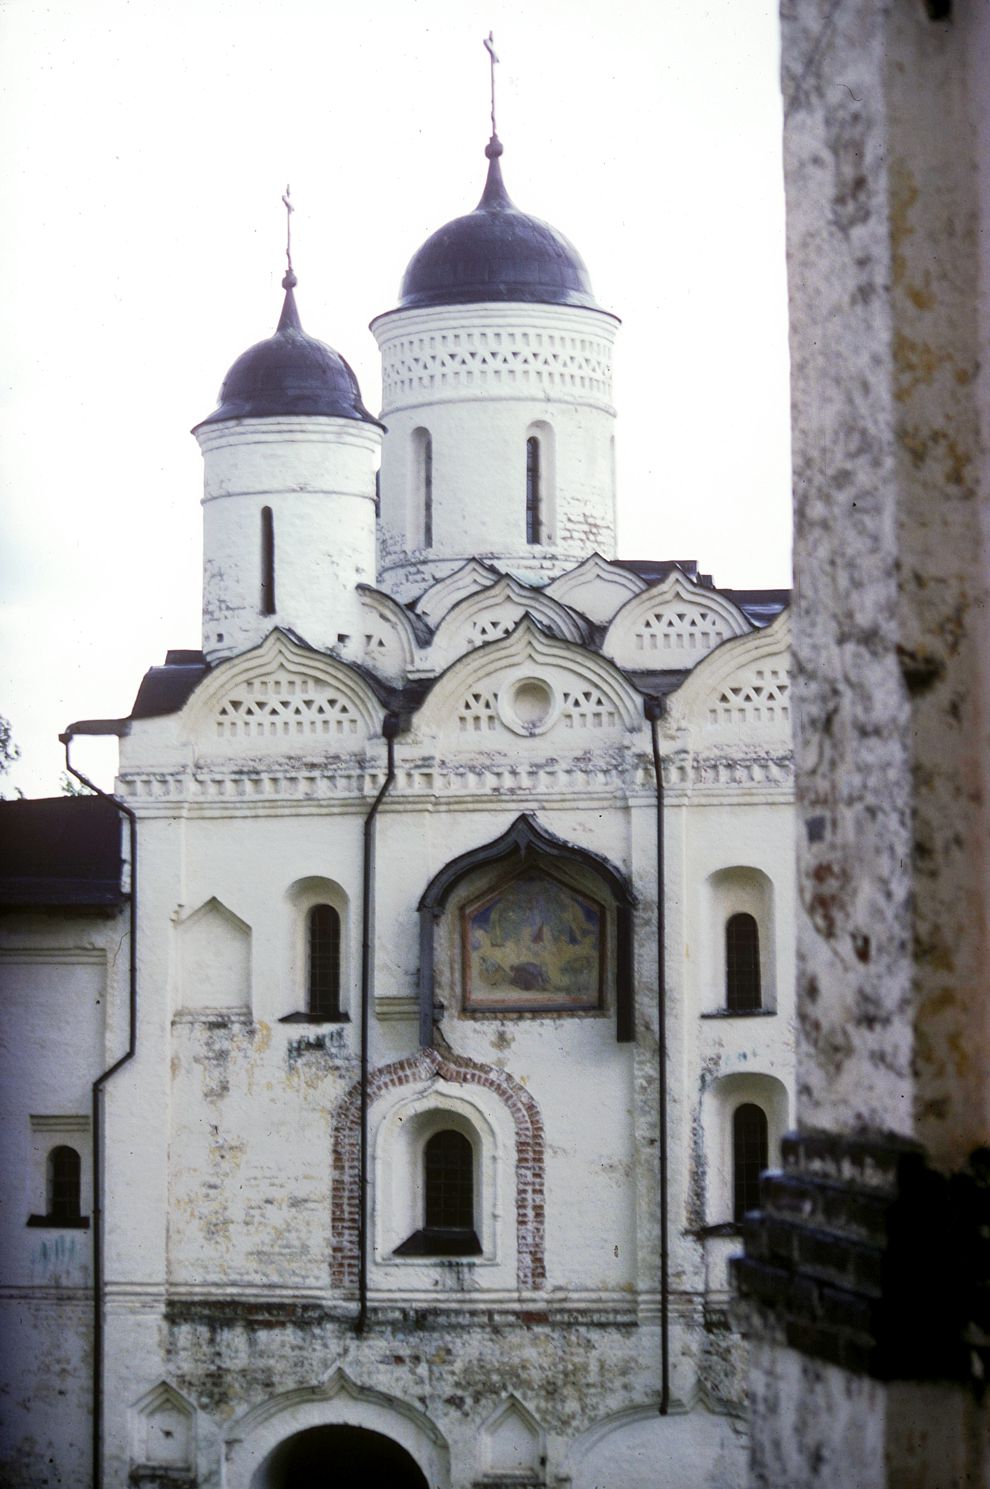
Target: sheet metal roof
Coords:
[(60, 851)]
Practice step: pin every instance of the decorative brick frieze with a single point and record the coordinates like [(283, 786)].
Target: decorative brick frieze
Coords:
[(426, 1065), (864, 1256), (504, 361)]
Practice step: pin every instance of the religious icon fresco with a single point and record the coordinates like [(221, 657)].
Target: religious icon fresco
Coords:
[(536, 944)]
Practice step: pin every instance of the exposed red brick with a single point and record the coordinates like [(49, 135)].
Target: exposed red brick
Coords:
[(461, 1070)]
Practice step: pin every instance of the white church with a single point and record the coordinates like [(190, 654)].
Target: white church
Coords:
[(391, 1060)]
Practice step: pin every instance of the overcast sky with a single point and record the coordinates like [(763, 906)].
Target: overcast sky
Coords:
[(145, 147)]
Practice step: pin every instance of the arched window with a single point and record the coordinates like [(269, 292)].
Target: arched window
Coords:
[(323, 962), (267, 562), (742, 964), (448, 1178), (750, 1156), (533, 514), (448, 1199), (64, 1184)]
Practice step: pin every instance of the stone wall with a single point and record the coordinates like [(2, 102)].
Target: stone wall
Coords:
[(865, 1271)]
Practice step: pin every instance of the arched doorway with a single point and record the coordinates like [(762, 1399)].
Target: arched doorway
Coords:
[(339, 1457)]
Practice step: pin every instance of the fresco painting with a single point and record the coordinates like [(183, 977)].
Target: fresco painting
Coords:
[(534, 945)]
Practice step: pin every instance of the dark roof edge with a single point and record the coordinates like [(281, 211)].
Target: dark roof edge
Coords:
[(42, 894), (384, 315), (120, 727)]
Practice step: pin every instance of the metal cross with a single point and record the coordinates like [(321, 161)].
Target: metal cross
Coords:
[(490, 49), (289, 209)]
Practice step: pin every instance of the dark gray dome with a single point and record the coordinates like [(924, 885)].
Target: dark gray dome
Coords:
[(496, 252), (290, 373)]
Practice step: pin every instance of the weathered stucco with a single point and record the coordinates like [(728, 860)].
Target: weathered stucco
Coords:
[(884, 220), (888, 187)]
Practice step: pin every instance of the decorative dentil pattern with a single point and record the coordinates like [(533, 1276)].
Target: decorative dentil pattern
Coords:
[(541, 362)]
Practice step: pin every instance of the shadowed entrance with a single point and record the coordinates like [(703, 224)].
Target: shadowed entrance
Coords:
[(339, 1457)]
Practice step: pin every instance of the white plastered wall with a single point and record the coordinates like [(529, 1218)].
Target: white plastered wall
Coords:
[(317, 476)]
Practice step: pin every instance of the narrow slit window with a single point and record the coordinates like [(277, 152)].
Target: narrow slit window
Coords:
[(323, 934), (267, 562), (64, 1184), (750, 1156), (533, 514), (427, 456), (742, 964)]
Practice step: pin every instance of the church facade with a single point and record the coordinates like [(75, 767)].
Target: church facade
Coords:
[(389, 1084)]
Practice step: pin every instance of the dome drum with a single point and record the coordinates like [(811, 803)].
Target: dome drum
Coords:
[(497, 351), (479, 383)]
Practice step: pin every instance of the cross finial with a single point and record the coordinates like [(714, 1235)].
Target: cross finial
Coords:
[(290, 281), (492, 59)]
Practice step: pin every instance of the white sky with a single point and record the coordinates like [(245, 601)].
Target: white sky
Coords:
[(146, 144)]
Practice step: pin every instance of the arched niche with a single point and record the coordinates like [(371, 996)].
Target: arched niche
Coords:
[(302, 898), (505, 1122), (588, 883), (719, 1103), (405, 1121), (740, 890)]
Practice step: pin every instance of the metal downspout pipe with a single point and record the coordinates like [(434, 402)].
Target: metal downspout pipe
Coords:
[(97, 1134), (390, 728), (654, 713)]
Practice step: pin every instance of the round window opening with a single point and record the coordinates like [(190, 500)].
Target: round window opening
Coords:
[(532, 703)]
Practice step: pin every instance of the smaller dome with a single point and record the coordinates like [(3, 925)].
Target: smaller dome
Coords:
[(496, 252), (290, 373)]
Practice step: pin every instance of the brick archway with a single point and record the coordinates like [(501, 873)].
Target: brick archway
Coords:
[(425, 1065)]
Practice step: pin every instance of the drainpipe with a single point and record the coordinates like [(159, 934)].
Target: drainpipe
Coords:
[(654, 712), (106, 727), (390, 728)]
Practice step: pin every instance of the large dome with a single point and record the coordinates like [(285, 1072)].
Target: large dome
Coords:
[(290, 373), (496, 252)]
